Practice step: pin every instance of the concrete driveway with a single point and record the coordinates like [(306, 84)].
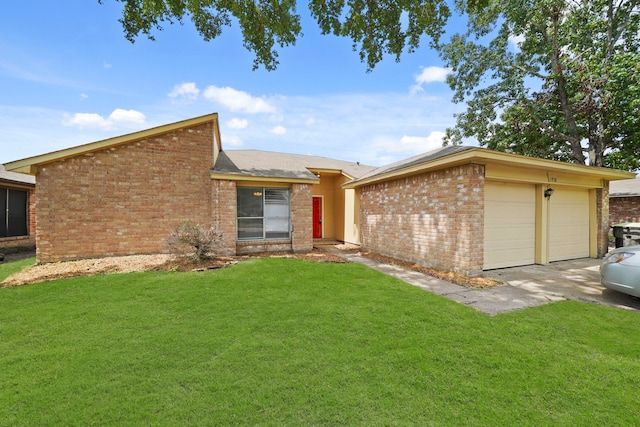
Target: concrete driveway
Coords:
[(522, 286), (577, 280)]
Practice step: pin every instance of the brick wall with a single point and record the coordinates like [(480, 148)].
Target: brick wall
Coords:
[(224, 212), (31, 212), (624, 209), (224, 198), (602, 217), (301, 218), (435, 219), (126, 199)]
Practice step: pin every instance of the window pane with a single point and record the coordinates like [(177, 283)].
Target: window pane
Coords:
[(276, 228), (249, 228), (276, 196), (17, 213), (3, 212), (276, 213), (249, 202), (263, 213)]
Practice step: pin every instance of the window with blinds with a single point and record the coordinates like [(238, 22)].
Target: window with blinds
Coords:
[(263, 213)]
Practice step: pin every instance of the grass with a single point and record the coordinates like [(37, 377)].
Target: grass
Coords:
[(7, 269), (290, 342)]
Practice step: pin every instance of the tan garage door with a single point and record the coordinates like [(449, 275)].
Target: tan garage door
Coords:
[(509, 225), (568, 224)]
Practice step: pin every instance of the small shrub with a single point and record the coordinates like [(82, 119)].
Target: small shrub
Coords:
[(193, 241)]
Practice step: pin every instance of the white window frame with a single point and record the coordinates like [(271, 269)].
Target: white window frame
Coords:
[(281, 213)]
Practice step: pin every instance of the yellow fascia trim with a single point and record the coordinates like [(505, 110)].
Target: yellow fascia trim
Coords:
[(484, 156), (30, 165), (335, 171), (230, 177), (503, 172), (535, 163)]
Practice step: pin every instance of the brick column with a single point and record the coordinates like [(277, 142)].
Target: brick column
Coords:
[(224, 214), (301, 218), (602, 217)]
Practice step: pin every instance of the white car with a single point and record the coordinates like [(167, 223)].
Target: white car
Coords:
[(620, 270)]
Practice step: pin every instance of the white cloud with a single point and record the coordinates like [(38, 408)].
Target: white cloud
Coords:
[(107, 65), (88, 120), (83, 96), (310, 121), (430, 75), (389, 148), (236, 100), (278, 130), (232, 141), (118, 118), (421, 144), (516, 41), (127, 116), (187, 91), (236, 123)]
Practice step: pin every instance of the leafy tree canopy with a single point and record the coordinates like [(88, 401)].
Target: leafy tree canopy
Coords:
[(376, 27), (556, 79)]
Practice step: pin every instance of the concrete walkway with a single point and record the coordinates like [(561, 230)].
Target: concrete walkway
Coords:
[(522, 286)]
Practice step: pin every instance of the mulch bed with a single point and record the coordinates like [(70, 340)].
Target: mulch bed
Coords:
[(188, 264), (61, 270)]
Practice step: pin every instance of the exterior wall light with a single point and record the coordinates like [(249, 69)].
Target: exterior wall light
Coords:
[(548, 192)]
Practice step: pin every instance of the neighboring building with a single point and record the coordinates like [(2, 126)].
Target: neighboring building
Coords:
[(458, 208), (624, 201), (17, 211)]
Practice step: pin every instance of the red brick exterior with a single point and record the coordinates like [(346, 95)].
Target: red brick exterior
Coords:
[(301, 223), (602, 217), (126, 199), (434, 219), (32, 215), (624, 209), (301, 218), (224, 200)]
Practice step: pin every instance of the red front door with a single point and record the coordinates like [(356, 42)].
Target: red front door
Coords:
[(317, 217)]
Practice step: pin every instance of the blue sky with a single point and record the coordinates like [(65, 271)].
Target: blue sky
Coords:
[(68, 77)]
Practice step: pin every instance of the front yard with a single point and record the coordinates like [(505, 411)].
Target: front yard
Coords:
[(293, 342)]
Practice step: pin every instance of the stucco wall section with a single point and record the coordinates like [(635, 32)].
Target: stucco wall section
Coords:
[(435, 219), (624, 209), (301, 218), (126, 199)]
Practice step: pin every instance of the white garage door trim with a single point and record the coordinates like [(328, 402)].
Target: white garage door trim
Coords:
[(509, 225), (568, 224)]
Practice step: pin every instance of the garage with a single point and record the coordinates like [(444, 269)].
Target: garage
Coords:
[(568, 224), (509, 225)]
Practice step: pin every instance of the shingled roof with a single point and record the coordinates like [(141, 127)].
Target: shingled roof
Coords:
[(269, 164), (416, 160), (625, 188), (16, 178)]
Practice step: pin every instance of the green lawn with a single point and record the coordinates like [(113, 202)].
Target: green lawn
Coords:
[(287, 342)]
